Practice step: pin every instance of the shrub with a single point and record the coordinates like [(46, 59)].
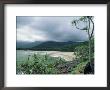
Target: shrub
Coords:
[(79, 69), (39, 64)]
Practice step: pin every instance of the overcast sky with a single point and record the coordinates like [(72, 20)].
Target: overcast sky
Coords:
[(48, 29)]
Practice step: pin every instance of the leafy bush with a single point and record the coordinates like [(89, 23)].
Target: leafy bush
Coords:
[(39, 64), (79, 69), (82, 51), (82, 55)]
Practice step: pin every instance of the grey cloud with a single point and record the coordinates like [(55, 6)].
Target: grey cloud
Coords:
[(54, 28), (23, 20)]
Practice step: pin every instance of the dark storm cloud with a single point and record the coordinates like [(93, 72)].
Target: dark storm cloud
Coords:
[(48, 28)]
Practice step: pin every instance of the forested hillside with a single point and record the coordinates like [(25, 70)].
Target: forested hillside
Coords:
[(50, 46)]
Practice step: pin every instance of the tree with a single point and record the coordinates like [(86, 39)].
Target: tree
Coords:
[(85, 23)]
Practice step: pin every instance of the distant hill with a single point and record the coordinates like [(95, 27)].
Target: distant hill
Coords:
[(28, 45), (52, 44), (48, 45), (57, 46)]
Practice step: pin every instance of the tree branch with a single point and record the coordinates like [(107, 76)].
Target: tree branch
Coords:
[(79, 28), (92, 28)]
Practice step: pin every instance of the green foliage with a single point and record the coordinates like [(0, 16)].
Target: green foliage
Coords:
[(79, 69), (39, 64), (82, 55), (82, 51)]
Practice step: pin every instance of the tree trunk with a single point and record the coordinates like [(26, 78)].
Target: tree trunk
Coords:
[(90, 54), (89, 49)]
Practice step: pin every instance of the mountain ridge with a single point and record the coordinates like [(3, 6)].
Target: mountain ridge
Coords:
[(48, 46)]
